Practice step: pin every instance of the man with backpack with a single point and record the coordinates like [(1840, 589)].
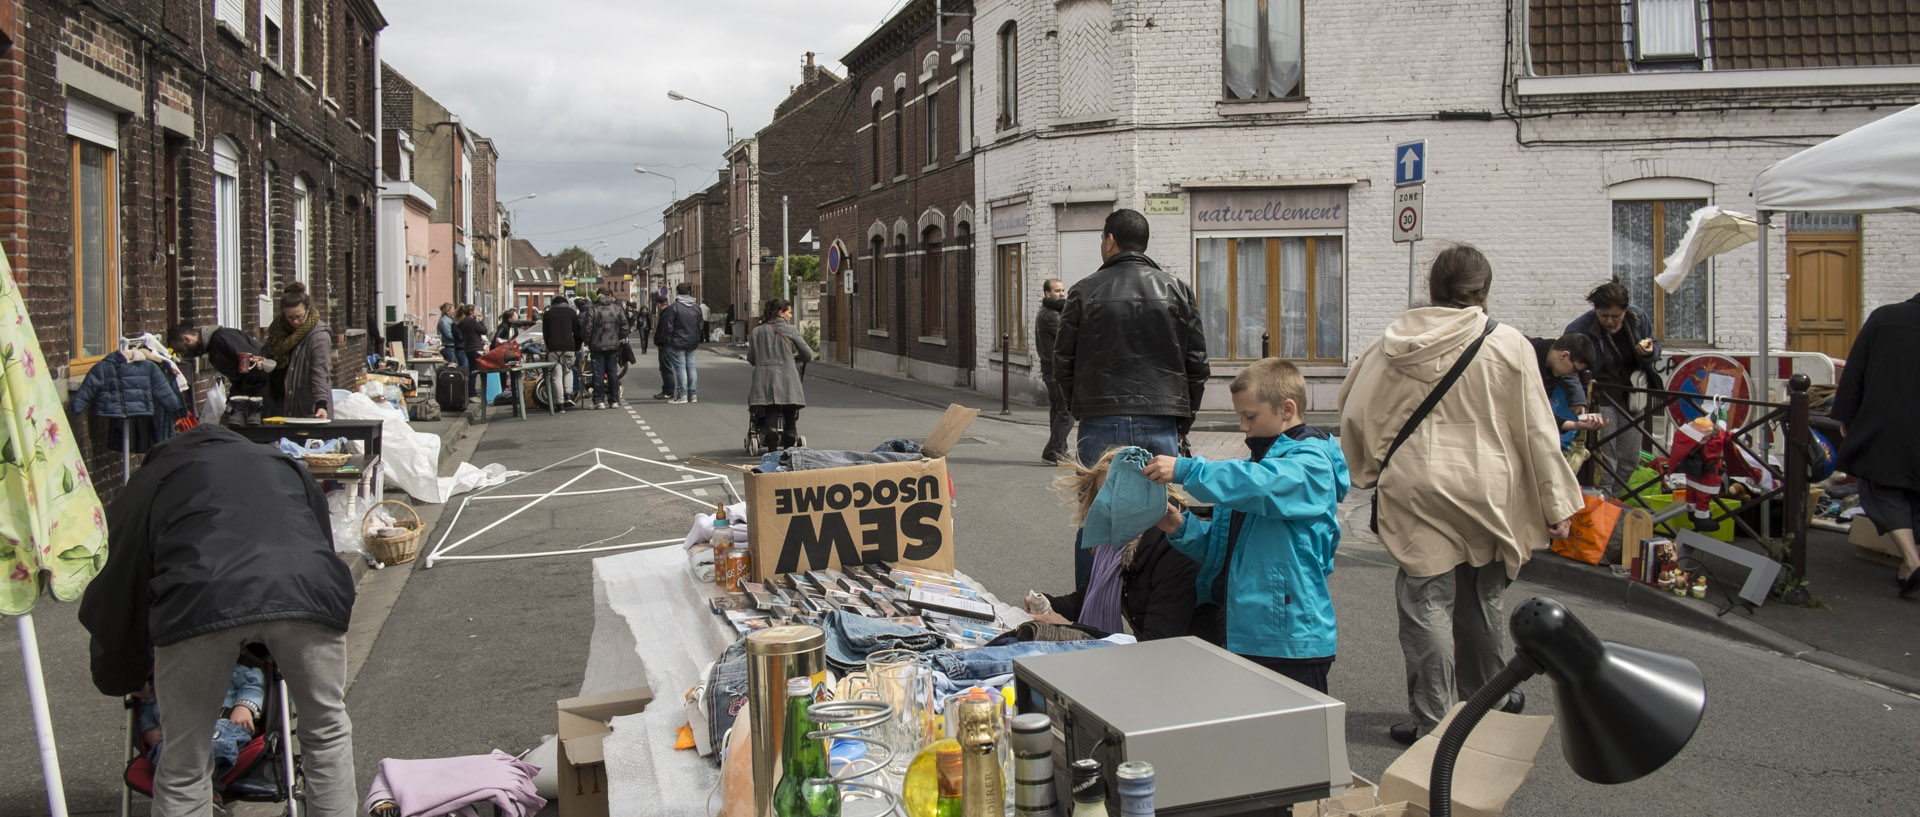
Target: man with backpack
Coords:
[(606, 332), (679, 336)]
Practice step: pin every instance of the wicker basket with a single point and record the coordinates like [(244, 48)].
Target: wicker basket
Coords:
[(393, 550), (325, 462)]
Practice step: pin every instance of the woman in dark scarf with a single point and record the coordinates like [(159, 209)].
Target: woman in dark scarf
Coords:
[(300, 347)]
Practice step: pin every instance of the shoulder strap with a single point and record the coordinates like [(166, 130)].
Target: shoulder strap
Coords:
[(1439, 391)]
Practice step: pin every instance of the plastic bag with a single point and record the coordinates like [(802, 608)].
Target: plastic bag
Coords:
[(1592, 530), (213, 404), (345, 510)]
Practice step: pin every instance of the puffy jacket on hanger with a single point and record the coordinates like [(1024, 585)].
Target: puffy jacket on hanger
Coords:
[(117, 387)]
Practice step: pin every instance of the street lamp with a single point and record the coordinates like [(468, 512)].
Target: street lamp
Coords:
[(676, 182), (680, 97), (527, 196)]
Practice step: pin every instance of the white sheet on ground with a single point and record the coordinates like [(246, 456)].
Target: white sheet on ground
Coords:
[(412, 458)]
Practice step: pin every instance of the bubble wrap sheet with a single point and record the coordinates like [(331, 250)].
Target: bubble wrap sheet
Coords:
[(647, 600)]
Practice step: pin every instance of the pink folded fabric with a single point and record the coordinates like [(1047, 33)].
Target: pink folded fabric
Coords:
[(456, 785)]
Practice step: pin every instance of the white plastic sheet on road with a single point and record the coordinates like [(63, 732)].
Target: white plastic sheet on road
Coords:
[(412, 458)]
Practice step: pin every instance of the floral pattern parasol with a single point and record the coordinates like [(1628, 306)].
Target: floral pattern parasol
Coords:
[(52, 528)]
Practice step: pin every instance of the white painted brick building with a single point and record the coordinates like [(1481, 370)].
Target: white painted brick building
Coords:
[(1561, 166)]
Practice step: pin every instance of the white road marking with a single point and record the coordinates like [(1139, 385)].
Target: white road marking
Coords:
[(699, 492)]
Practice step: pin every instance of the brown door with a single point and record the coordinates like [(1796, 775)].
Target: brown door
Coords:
[(1823, 292), (842, 326)]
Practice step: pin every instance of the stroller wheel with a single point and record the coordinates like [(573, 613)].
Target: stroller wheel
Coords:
[(753, 444), (800, 441)]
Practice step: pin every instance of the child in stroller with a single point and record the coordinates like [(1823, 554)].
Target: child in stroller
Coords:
[(242, 737), (779, 355)]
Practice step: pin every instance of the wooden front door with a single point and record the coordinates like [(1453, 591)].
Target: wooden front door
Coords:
[(1823, 292)]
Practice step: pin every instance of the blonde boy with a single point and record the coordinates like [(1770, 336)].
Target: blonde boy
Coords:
[(1267, 552)]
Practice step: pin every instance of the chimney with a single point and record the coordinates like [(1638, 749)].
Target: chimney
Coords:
[(807, 72)]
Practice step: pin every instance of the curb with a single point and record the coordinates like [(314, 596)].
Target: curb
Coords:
[(1599, 584)]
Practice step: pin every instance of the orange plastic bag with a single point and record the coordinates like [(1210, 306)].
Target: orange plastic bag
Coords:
[(1592, 530)]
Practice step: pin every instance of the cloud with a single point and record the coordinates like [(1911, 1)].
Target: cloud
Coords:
[(573, 94)]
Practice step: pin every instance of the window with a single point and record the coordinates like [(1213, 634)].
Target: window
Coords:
[(1009, 77), (93, 137), (933, 285), (878, 306), (226, 228), (1009, 296), (874, 132), (1666, 29), (302, 238), (931, 117), (270, 27), (1288, 288), (299, 50), (1260, 49), (1644, 232), (313, 42), (899, 134), (231, 12), (899, 277), (964, 95)]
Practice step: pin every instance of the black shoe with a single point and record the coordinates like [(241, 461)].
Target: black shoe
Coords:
[(1050, 458), (1516, 701), (1404, 733), (1910, 584), (663, 396)]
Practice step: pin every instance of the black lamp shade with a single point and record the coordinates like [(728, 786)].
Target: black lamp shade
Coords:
[(1624, 711)]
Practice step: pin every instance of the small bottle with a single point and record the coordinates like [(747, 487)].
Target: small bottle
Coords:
[(1033, 794), (1089, 789), (742, 564), (802, 758), (1134, 779)]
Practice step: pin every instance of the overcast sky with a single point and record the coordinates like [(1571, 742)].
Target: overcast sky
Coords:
[(573, 94)]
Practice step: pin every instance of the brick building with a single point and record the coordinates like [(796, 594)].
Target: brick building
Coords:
[(792, 157), (444, 153), (534, 282), (405, 213), (697, 246), (156, 170), (485, 230), (1263, 142), (907, 236)]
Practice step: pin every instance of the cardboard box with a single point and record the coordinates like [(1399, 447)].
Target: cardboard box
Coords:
[(892, 512), (1872, 545), (1491, 767), (582, 767)]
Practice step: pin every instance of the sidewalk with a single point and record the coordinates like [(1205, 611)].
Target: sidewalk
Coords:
[(987, 400)]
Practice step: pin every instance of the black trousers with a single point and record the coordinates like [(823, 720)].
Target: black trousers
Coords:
[(784, 417), (666, 370), (1059, 422)]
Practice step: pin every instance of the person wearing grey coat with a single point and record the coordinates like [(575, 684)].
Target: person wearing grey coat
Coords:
[(776, 394)]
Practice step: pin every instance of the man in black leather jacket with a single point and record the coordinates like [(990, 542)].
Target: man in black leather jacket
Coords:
[(215, 544), (1131, 356)]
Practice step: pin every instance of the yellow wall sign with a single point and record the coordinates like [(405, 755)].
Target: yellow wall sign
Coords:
[(1166, 206)]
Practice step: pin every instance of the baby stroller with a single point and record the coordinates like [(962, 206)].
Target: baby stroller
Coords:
[(767, 427), (267, 768)]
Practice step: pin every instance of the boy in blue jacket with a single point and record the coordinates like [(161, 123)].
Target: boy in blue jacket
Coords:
[(1266, 553)]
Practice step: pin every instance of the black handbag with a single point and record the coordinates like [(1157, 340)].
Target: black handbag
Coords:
[(1420, 413), (626, 354)]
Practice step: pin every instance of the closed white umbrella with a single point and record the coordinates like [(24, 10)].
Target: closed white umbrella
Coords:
[(1710, 232)]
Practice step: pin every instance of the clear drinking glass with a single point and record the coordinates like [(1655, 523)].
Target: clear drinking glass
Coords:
[(902, 679)]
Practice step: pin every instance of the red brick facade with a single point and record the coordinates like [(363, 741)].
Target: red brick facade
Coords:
[(908, 233), (302, 116)]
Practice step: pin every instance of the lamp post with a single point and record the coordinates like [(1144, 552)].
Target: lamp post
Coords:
[(676, 182), (680, 97)]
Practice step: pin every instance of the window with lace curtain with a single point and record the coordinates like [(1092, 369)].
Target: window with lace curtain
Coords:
[(1260, 50), (1644, 232), (1288, 288)]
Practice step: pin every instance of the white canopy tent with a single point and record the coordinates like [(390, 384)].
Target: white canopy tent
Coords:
[(1874, 168)]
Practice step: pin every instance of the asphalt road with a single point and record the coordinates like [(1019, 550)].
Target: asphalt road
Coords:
[(472, 655)]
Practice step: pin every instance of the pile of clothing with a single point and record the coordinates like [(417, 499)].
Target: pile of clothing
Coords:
[(138, 390)]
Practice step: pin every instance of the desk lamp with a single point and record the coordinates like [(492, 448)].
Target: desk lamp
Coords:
[(1624, 711)]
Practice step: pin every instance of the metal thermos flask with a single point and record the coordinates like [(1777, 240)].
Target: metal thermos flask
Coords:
[(774, 655), (1033, 795)]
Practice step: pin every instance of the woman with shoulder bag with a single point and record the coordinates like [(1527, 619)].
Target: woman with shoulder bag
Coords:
[(776, 394), (1477, 486)]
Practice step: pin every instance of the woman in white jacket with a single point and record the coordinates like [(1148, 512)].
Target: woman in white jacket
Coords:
[(1474, 489)]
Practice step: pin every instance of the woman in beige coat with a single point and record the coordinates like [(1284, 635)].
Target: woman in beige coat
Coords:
[(1478, 485)]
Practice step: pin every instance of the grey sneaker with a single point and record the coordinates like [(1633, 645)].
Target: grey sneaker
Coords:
[(678, 399), (597, 405), (693, 398)]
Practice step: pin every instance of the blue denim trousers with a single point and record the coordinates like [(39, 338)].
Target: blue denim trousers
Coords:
[(1155, 433), (686, 378), (606, 376)]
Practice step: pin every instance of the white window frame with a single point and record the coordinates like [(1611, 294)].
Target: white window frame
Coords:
[(1666, 30), (964, 95), (226, 220), (299, 37), (1008, 43), (302, 233), (273, 45)]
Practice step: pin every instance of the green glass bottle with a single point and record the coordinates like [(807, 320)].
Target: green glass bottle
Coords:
[(822, 796), (801, 759)]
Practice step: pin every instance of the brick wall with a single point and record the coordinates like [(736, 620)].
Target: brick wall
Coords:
[(925, 195), (1534, 193), (710, 268), (138, 52), (800, 159)]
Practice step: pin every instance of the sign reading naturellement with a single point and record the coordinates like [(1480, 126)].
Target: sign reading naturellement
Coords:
[(1284, 208)]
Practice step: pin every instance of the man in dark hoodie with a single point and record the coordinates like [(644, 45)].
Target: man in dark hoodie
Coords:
[(606, 332), (236, 356), (1046, 328), (679, 336), (215, 544), (560, 328)]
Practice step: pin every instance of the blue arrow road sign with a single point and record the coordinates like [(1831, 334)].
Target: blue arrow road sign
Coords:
[(1410, 163)]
